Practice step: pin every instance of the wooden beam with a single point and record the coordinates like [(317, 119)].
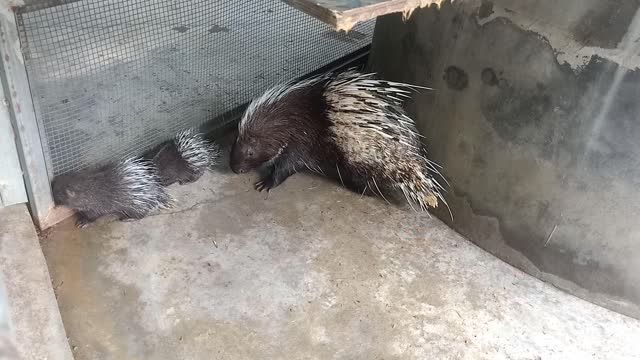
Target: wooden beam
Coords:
[(344, 14)]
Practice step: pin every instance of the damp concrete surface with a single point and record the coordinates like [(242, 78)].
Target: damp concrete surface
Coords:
[(309, 271)]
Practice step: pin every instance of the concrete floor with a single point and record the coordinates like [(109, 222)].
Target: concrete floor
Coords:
[(31, 319), (310, 272)]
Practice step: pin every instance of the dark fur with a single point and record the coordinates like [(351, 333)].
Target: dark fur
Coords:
[(296, 126), (98, 192), (185, 158), (172, 168)]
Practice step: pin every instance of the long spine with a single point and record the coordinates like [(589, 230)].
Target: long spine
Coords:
[(144, 191), (199, 153)]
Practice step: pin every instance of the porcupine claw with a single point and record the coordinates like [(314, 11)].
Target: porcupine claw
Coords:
[(82, 224), (266, 183), (262, 185), (82, 221)]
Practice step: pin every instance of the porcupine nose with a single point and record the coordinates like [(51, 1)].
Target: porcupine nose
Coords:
[(237, 169)]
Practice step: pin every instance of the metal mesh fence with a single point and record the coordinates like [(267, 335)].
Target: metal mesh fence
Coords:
[(112, 78)]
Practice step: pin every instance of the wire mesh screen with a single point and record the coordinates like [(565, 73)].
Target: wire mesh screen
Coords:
[(112, 78)]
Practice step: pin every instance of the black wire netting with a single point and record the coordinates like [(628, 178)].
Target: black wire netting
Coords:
[(112, 78)]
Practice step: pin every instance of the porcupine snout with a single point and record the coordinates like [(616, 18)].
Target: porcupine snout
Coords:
[(235, 160), (243, 157)]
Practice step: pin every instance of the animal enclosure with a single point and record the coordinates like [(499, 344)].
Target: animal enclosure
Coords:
[(112, 78)]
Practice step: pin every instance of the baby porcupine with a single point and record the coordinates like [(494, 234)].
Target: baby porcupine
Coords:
[(185, 158), (129, 189), (349, 126)]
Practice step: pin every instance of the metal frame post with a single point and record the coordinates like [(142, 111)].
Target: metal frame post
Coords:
[(15, 82)]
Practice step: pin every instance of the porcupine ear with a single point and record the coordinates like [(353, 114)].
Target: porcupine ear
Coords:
[(70, 193)]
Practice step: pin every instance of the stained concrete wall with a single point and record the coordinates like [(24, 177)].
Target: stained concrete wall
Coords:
[(535, 118)]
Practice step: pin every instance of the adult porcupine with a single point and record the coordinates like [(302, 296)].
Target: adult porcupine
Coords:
[(185, 158), (347, 125), (129, 189)]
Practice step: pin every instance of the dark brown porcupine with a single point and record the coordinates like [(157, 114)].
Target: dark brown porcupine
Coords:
[(348, 126)]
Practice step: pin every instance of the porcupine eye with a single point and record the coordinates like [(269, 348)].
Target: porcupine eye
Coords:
[(250, 153)]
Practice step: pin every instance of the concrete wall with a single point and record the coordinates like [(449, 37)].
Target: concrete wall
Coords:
[(536, 120)]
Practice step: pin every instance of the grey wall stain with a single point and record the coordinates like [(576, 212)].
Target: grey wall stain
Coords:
[(489, 77), (456, 78), (512, 111), (606, 24)]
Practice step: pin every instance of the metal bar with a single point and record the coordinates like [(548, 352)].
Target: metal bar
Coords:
[(11, 182), (28, 6), (30, 148)]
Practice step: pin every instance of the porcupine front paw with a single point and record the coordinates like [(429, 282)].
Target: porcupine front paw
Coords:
[(130, 217), (82, 220), (266, 183)]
